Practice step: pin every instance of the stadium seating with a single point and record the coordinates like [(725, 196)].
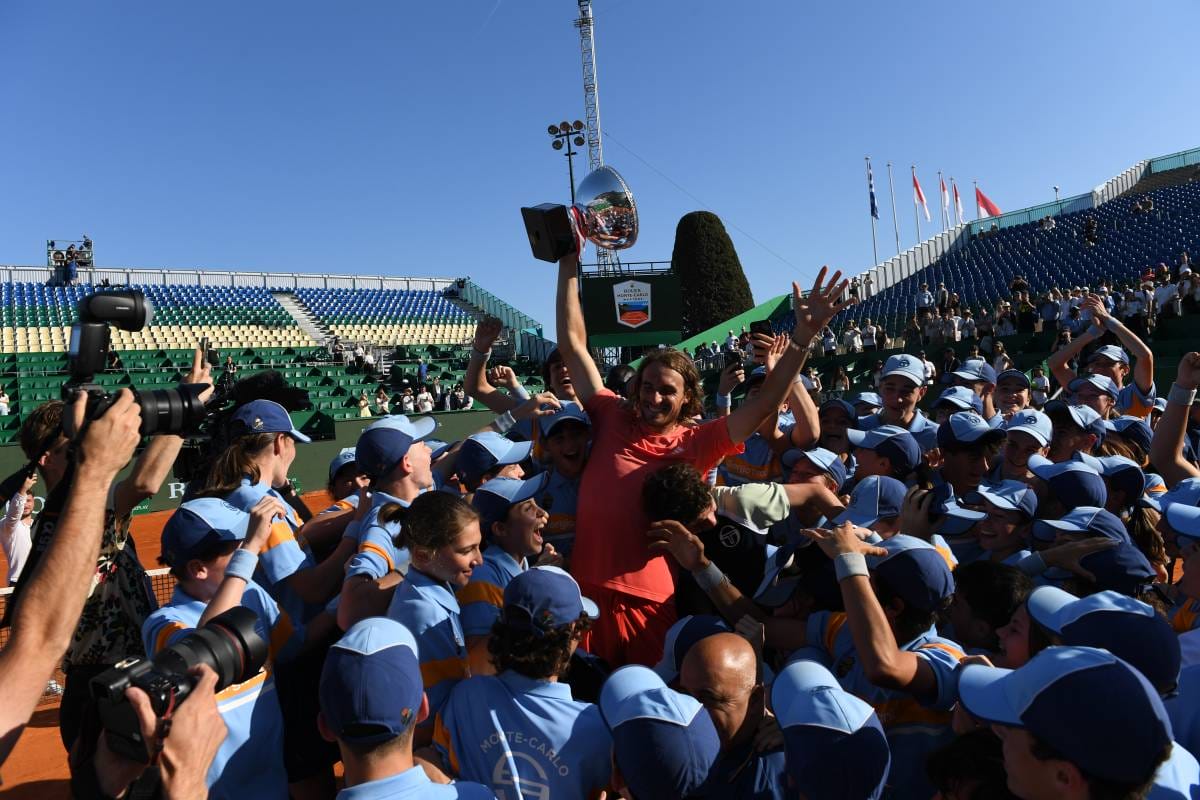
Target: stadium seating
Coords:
[(981, 270), (391, 316)]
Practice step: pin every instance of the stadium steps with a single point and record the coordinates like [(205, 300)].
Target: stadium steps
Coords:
[(1160, 180), (305, 318)]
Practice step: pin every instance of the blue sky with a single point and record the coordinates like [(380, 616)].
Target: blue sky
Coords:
[(402, 137)]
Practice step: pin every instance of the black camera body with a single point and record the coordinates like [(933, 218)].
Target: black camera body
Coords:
[(164, 411), (229, 644)]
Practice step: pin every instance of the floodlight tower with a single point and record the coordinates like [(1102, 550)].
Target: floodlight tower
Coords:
[(591, 110)]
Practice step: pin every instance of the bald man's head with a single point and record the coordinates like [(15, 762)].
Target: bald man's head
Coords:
[(721, 671)]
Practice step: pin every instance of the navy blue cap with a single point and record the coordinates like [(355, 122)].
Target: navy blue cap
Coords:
[(825, 460), (875, 497), (974, 370), (1015, 374), (915, 570), (1123, 473), (1073, 483), (264, 416), (842, 405), (834, 741), (1032, 422), (370, 689), (865, 398), (664, 742), (910, 367), (957, 519), (544, 598), (482, 452), (967, 428), (1084, 417), (1135, 429), (569, 412), (1103, 383), (1127, 628), (437, 448), (496, 496), (891, 442), (681, 636), (198, 525), (345, 456), (1087, 520), (1074, 699), (960, 398), (384, 443), (1011, 496)]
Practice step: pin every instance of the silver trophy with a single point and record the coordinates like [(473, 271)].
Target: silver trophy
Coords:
[(604, 209)]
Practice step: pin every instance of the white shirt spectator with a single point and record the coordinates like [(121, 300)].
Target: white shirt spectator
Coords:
[(852, 338), (868, 334), (424, 401), (407, 403), (1164, 297), (4, 404), (731, 342), (950, 328), (829, 341), (967, 328), (930, 370), (15, 535)]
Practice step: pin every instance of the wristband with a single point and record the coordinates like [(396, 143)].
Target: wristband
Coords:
[(723, 400), (1096, 331), (484, 354), (850, 565), (709, 578), (504, 423), (241, 565), (1181, 396)]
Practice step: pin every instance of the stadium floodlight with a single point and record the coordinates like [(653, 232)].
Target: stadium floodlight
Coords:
[(565, 135)]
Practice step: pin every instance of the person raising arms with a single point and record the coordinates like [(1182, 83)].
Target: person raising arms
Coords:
[(632, 439)]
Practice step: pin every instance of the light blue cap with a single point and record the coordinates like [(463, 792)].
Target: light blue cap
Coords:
[(1032, 422)]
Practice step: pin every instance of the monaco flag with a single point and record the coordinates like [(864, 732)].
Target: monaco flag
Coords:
[(945, 195), (957, 202), (919, 196), (985, 207)]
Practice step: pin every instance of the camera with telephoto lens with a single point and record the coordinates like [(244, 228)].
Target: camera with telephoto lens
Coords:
[(164, 411), (229, 644)]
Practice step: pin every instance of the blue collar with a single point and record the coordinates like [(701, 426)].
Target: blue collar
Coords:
[(520, 684), (504, 560), (408, 782), (433, 589)]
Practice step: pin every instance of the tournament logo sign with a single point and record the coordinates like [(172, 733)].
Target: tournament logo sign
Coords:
[(632, 299)]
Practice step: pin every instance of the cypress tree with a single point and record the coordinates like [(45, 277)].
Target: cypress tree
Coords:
[(713, 286)]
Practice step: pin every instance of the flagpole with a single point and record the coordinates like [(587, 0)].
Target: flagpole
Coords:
[(895, 221), (943, 198), (871, 188), (977, 208), (916, 211)]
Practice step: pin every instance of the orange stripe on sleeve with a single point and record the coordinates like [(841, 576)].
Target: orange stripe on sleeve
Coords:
[(165, 634), (280, 634), (280, 532), (374, 548), (441, 736), (832, 628)]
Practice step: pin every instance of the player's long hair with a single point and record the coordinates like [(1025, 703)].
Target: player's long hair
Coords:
[(693, 402)]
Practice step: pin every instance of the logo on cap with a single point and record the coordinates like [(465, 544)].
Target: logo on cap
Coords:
[(258, 424), (903, 361)]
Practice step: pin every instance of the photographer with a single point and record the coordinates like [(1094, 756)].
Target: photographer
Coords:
[(120, 598), (54, 589)]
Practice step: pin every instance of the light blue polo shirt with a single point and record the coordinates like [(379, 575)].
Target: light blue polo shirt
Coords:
[(758, 463), (560, 499), (245, 765), (429, 610), (281, 556), (483, 597), (377, 552), (414, 784), (524, 738), (1133, 402), (914, 729), (1178, 778), (923, 429), (1184, 711)]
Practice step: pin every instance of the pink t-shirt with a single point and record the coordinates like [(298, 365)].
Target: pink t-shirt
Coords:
[(610, 525)]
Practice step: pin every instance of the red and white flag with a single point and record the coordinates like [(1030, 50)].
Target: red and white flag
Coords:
[(985, 207), (945, 196), (958, 212), (919, 196)]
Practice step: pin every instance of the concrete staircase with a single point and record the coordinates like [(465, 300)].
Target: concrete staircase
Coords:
[(305, 318)]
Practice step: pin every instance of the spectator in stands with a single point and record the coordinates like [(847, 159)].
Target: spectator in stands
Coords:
[(912, 333), (16, 526), (828, 341), (4, 403), (955, 304), (424, 399), (118, 604), (852, 338), (950, 363), (1091, 231), (1000, 359), (930, 368), (1187, 289), (924, 301), (364, 404), (359, 354), (868, 334), (369, 362), (1166, 298), (408, 402), (942, 298), (950, 331), (422, 370), (1018, 284), (383, 401), (933, 331), (877, 375), (841, 381), (881, 337), (1039, 387), (459, 400), (731, 343)]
